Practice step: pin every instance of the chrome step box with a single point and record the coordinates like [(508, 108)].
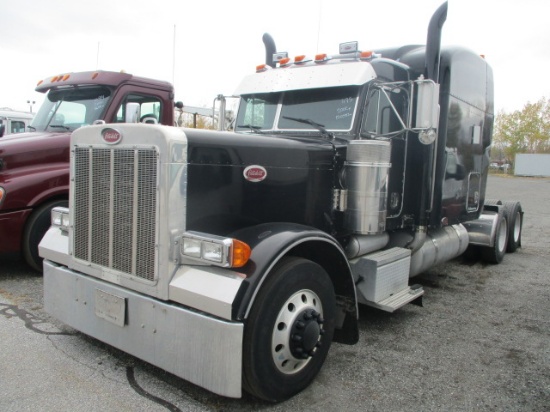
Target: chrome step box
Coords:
[(382, 279)]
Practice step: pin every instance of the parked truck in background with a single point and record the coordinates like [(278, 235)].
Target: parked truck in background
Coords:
[(13, 121), (34, 166), (234, 259)]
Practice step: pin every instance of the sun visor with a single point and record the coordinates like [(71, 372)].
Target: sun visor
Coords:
[(307, 77)]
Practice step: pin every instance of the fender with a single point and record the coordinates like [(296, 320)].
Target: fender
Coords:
[(272, 241)]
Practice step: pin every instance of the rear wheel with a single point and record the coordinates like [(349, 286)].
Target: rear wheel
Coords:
[(492, 202), (289, 331), (496, 253), (36, 227), (515, 224)]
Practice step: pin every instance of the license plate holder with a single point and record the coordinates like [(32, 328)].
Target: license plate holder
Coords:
[(110, 307)]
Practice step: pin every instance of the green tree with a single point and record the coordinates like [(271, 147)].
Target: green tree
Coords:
[(523, 131)]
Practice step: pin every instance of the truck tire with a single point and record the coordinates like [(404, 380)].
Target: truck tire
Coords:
[(496, 253), (492, 202), (36, 227), (515, 225), (289, 331)]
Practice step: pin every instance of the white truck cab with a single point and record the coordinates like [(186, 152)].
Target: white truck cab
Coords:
[(12, 121)]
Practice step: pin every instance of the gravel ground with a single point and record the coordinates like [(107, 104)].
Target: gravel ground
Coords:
[(481, 342)]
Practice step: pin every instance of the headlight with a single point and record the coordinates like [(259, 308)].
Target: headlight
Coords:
[(60, 218), (216, 250), (191, 247)]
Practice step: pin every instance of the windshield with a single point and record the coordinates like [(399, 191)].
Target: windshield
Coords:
[(332, 109), (257, 111), (68, 109)]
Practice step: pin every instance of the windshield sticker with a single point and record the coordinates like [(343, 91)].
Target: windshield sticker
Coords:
[(346, 108), (100, 102)]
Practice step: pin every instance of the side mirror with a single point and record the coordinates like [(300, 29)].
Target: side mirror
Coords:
[(427, 110), (132, 113)]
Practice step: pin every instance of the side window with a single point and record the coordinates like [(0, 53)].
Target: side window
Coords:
[(150, 108), (386, 111), (17, 126)]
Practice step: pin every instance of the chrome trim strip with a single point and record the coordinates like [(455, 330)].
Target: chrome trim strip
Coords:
[(112, 206), (135, 211), (55, 246), (210, 289), (90, 202)]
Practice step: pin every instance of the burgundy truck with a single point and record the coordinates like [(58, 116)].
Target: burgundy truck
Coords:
[(34, 166)]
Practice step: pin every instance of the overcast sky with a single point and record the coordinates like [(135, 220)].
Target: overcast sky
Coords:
[(206, 47)]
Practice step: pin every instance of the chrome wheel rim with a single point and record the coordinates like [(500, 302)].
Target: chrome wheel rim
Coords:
[(303, 302)]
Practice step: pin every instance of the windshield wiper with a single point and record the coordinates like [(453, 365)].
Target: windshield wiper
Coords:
[(256, 129), (318, 126), (60, 125), (32, 128)]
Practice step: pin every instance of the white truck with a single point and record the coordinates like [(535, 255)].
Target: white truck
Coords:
[(12, 121), (234, 259)]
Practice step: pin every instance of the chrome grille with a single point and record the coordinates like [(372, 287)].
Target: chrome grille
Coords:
[(115, 202)]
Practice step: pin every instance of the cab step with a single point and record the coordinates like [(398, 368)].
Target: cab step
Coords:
[(411, 295), (382, 279)]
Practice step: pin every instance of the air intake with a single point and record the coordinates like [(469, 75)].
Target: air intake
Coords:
[(367, 168)]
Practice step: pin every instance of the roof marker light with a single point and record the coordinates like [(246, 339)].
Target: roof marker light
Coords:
[(284, 62), (261, 68), (321, 58), (300, 59), (95, 75), (366, 55)]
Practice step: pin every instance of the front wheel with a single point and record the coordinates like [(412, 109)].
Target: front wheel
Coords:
[(289, 331)]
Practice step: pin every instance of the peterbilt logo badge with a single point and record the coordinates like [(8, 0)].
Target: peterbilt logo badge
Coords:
[(111, 136), (255, 173)]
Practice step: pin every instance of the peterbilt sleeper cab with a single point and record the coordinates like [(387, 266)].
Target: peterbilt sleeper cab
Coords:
[(234, 259)]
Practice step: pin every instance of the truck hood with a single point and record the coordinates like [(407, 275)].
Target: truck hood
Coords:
[(241, 180), (274, 151), (26, 149)]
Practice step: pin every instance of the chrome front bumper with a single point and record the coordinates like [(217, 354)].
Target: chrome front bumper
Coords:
[(201, 349)]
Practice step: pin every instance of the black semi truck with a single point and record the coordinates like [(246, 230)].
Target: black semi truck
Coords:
[(234, 259)]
